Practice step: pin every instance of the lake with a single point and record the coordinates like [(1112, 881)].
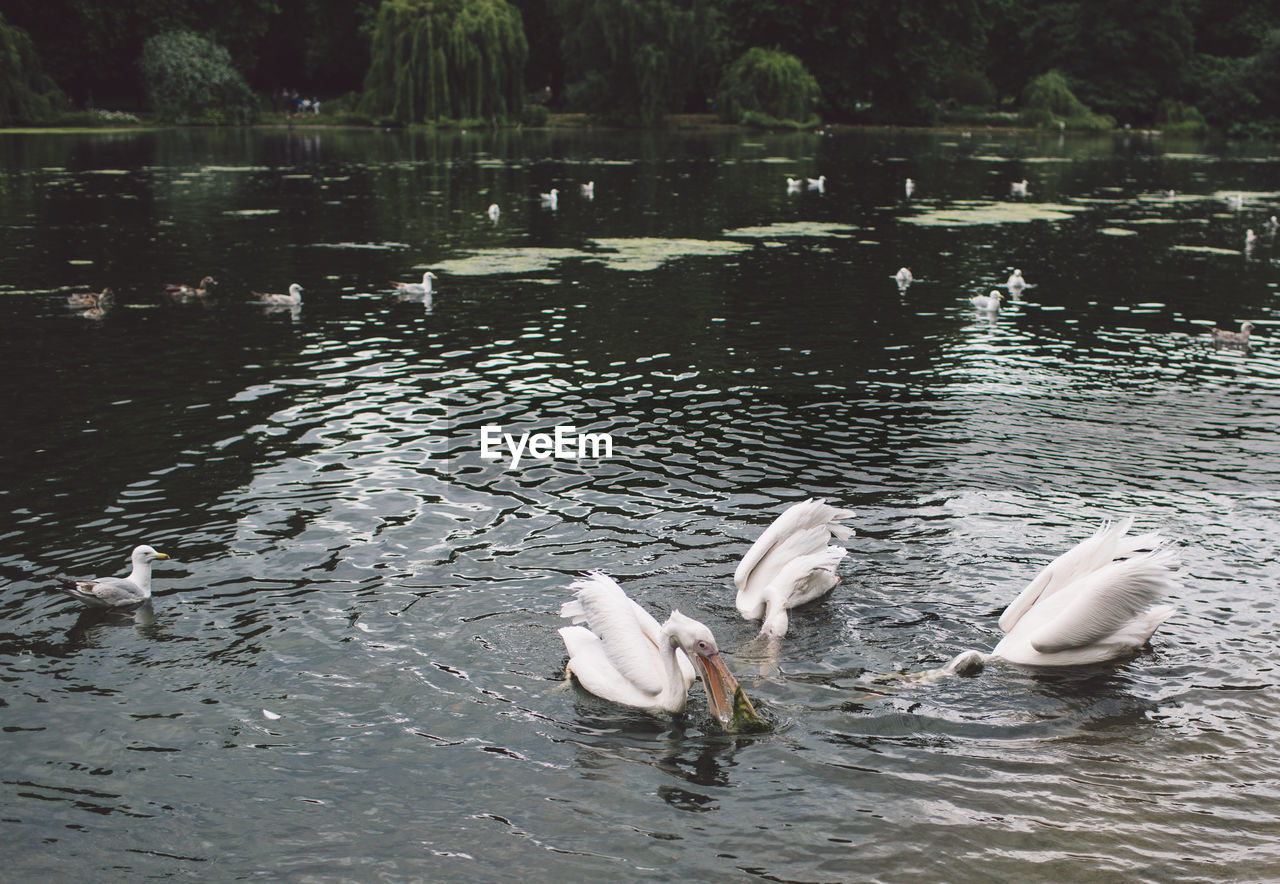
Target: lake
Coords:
[(351, 670)]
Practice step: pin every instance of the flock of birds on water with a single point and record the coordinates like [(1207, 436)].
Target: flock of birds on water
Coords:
[(1098, 602)]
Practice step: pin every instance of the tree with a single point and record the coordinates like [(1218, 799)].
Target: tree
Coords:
[(438, 59), (190, 79), (767, 86), (27, 93), (636, 60)]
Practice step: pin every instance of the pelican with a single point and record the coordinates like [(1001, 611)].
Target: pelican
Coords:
[(1018, 188), (1016, 282), (92, 300), (116, 592), (987, 303), (620, 653), (185, 293), (790, 564), (293, 299), (904, 278), (588, 190), (1094, 603), (550, 199), (819, 184), (416, 288), (910, 188), (1233, 339), (494, 212), (794, 184)]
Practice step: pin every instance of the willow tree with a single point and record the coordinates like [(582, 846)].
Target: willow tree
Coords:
[(27, 94), (438, 59), (769, 87)]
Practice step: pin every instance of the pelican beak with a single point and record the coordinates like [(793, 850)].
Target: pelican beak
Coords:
[(720, 684)]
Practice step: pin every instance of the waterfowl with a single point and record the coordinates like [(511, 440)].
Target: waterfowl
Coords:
[(1237, 339), (186, 293), (293, 299), (1095, 603), (1250, 239), (1272, 225), (904, 278), (416, 288), (550, 199), (494, 212), (1016, 282), (819, 184), (910, 188), (81, 300), (1018, 188), (620, 653), (986, 303), (794, 184), (115, 592), (790, 564), (588, 190)]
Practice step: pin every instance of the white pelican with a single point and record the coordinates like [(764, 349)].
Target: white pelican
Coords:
[(790, 564), (620, 653), (904, 278), (1095, 602), (986, 303), (185, 293), (1230, 338), (1018, 188), (93, 300), (416, 288), (819, 184), (494, 212), (588, 190), (293, 299), (1016, 282), (794, 184), (116, 592), (910, 188), (550, 199)]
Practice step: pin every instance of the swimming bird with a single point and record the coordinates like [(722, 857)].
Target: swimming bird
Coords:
[(1230, 338), (185, 293), (910, 188), (101, 299), (790, 564), (620, 653), (494, 212), (293, 299), (904, 278), (416, 288), (1250, 239), (1094, 603), (794, 184), (1272, 225), (986, 303), (1016, 282), (819, 184), (550, 199), (116, 592), (1018, 188), (588, 190)]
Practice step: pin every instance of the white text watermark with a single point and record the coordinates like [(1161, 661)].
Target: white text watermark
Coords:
[(563, 443)]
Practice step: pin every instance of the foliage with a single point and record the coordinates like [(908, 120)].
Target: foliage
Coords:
[(1182, 118), (191, 80), (1048, 100), (27, 93), (636, 60), (769, 85), (536, 115), (438, 59)]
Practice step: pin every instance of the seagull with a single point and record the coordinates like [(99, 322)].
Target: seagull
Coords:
[(794, 184), (904, 278), (550, 199), (1018, 188), (1233, 339), (620, 653), (116, 592), (987, 303), (98, 300), (588, 190), (790, 564), (494, 212), (1016, 282), (1272, 225), (416, 288), (819, 184), (293, 299), (1094, 603), (1250, 239), (910, 188), (185, 293)]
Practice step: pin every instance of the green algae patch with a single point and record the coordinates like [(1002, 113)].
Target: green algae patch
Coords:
[(650, 253), (791, 229), (974, 213), (1205, 250), (1116, 231), (492, 262)]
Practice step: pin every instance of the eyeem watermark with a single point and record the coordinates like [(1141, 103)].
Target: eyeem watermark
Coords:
[(565, 443)]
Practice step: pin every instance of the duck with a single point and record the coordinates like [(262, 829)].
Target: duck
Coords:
[(791, 564), (1096, 603), (619, 652), (185, 293), (904, 278), (494, 212), (293, 299), (550, 199), (819, 184), (115, 592), (1016, 283), (416, 288), (92, 300), (588, 190), (989, 303), (1018, 188), (1230, 338)]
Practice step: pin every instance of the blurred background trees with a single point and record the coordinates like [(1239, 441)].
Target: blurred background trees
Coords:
[(1141, 62)]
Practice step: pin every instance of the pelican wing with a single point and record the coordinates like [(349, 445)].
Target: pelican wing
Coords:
[(627, 635), (808, 577), (802, 529), (1105, 601)]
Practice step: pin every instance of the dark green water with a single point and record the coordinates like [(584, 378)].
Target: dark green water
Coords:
[(345, 558)]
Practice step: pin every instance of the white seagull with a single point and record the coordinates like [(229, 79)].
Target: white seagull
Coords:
[(550, 199), (115, 592), (794, 184), (790, 564), (416, 288), (1250, 239), (494, 212), (904, 278), (1018, 188), (910, 188), (588, 190), (293, 299), (986, 303), (1016, 282), (819, 184), (620, 653), (1233, 339), (1094, 603)]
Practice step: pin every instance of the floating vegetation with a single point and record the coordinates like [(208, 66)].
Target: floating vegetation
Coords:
[(1206, 250), (490, 262), (792, 229), (380, 246), (650, 253), (248, 212), (1117, 231), (971, 213)]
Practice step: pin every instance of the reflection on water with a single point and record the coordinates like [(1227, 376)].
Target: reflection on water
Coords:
[(346, 559)]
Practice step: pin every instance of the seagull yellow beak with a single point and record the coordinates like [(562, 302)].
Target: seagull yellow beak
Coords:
[(161, 555)]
